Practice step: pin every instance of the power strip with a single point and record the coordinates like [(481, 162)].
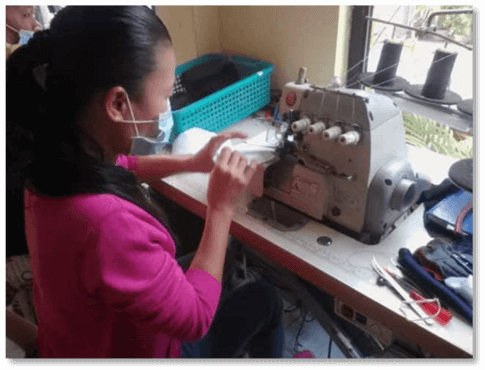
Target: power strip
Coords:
[(382, 334)]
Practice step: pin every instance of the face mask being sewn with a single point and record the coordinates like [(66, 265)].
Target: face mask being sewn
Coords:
[(24, 35), (143, 145)]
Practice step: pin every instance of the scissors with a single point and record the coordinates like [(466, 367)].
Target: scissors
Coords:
[(404, 295)]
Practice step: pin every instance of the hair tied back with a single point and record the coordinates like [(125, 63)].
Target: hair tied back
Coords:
[(41, 44), (40, 75)]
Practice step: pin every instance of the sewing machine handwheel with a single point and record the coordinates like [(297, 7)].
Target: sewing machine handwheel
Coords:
[(461, 174), (404, 195)]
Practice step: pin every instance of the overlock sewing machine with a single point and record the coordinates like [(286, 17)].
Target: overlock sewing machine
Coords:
[(343, 160)]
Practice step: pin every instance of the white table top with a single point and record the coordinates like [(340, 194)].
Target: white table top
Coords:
[(342, 269)]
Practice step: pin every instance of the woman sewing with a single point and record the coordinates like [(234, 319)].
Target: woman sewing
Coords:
[(106, 281)]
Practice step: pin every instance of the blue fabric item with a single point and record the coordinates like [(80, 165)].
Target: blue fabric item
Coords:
[(422, 278), (449, 255), (437, 193), (431, 198)]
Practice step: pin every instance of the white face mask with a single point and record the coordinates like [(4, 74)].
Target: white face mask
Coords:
[(143, 145), (24, 35)]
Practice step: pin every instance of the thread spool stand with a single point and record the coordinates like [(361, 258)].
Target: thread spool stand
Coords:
[(461, 174), (465, 106)]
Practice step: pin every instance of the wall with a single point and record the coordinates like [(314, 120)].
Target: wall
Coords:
[(194, 30), (290, 37)]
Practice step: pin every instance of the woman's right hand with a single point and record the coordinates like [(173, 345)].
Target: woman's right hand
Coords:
[(228, 180)]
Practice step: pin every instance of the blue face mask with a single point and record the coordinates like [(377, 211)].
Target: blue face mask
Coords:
[(24, 35), (142, 145)]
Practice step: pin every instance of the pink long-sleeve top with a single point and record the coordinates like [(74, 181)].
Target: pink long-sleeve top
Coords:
[(106, 282)]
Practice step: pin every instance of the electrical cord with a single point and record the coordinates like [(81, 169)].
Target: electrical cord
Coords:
[(297, 344), (265, 270)]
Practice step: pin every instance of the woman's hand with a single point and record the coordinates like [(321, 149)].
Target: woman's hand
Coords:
[(202, 160), (228, 180)]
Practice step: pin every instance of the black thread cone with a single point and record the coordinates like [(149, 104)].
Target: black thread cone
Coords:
[(385, 76), (435, 89)]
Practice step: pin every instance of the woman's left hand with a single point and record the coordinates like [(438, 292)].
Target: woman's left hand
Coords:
[(203, 159)]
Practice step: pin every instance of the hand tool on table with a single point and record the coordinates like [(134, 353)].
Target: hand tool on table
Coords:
[(431, 306), (404, 295)]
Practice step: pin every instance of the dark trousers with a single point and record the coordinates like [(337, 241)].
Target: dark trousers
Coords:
[(248, 320)]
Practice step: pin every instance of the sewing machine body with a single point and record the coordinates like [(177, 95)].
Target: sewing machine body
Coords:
[(348, 161)]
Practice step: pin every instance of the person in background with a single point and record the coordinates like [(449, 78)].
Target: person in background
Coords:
[(20, 26), (106, 281)]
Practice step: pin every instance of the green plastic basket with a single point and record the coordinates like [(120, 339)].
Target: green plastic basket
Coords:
[(229, 105)]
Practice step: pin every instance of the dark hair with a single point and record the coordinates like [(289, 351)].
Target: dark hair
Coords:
[(49, 83)]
